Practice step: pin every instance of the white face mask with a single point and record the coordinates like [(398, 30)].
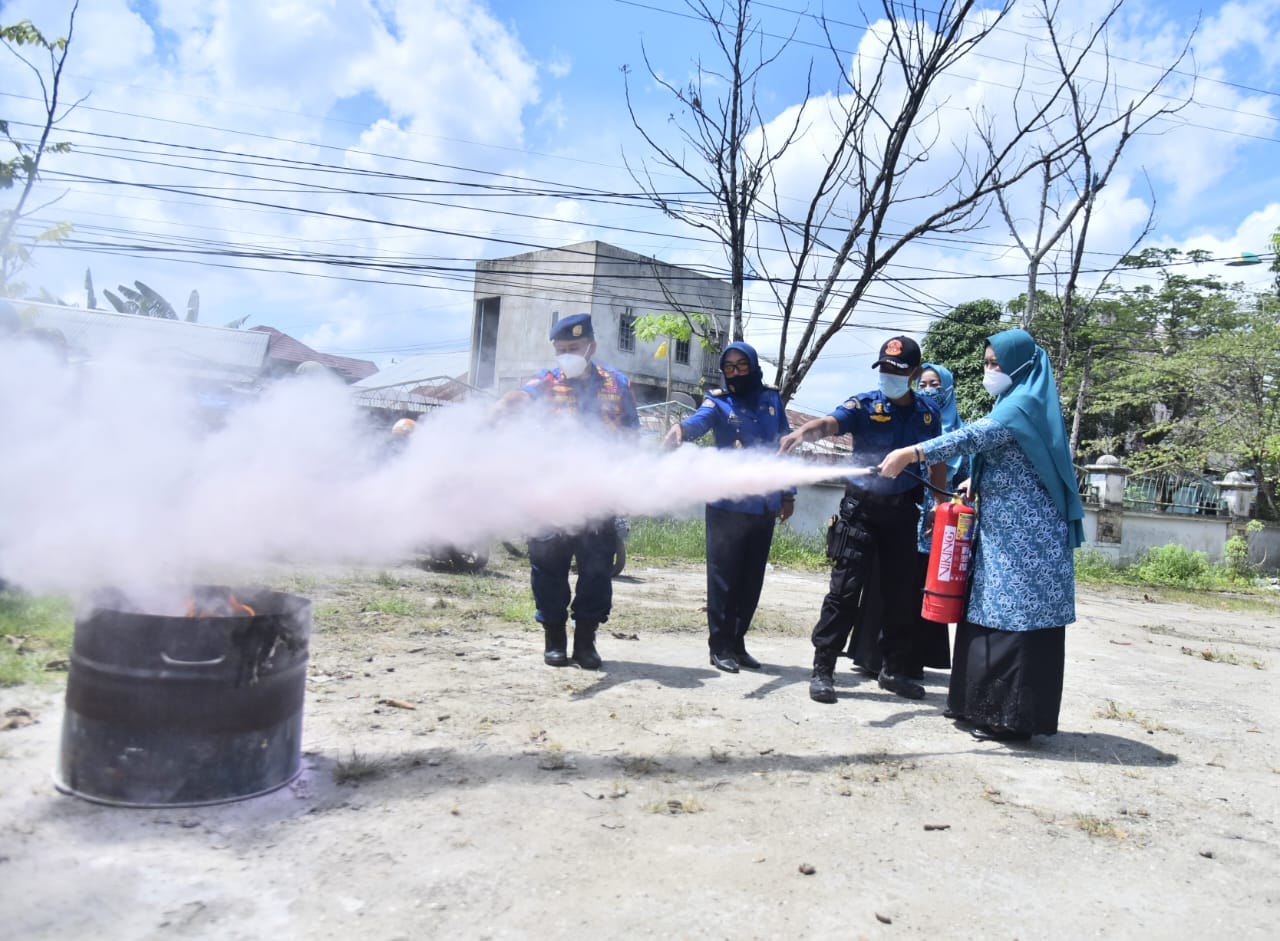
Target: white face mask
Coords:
[(894, 387), (996, 382), (572, 365)]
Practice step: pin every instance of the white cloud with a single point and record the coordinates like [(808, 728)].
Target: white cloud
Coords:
[(559, 65)]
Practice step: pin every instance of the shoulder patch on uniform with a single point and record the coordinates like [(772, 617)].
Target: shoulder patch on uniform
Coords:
[(928, 418), (706, 403), (852, 405)]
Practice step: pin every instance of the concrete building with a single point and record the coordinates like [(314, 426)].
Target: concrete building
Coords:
[(519, 297)]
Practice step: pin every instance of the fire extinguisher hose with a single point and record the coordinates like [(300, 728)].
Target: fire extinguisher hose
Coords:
[(938, 490)]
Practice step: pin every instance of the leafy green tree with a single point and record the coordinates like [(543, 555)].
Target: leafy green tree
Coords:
[(957, 341), (1233, 381), (22, 171), (1144, 394), (684, 326), (1275, 257)]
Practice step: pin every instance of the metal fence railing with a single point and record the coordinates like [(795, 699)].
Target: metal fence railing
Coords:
[(1164, 490)]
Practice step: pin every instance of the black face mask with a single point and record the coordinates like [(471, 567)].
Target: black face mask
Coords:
[(746, 385)]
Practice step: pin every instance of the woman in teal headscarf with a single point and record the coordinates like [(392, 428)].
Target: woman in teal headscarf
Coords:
[(1006, 681)]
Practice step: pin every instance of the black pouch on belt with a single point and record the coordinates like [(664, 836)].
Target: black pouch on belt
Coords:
[(835, 540)]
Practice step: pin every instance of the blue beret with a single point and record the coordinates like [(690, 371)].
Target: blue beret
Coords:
[(575, 327)]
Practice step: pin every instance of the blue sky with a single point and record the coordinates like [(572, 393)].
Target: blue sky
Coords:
[(467, 93)]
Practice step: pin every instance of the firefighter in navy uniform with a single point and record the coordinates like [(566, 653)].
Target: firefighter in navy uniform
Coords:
[(600, 398), (878, 515), (746, 414)]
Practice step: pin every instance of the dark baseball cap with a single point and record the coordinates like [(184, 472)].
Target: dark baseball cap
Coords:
[(900, 353)]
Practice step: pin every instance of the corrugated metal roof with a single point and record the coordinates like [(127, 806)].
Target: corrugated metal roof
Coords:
[(429, 368), (216, 353)]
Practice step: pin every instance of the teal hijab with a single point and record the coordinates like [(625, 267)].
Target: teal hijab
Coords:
[(1030, 409), (950, 415)]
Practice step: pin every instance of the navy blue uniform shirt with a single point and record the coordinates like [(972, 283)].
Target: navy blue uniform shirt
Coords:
[(878, 427), (738, 425)]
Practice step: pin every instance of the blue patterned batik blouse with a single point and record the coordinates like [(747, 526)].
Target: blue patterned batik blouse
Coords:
[(1023, 570)]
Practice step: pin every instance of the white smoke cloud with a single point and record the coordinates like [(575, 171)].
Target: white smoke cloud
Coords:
[(113, 476)]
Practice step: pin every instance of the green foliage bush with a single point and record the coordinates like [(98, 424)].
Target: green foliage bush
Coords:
[(1094, 566), (1172, 565)]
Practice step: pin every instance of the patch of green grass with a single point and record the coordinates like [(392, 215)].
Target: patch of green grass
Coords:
[(401, 606), (1094, 567), (665, 538), (518, 611), (33, 633), (387, 580), (794, 549), (686, 539)]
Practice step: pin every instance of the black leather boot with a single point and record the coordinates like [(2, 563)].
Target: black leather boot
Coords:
[(584, 645), (822, 685), (900, 685), (555, 644)]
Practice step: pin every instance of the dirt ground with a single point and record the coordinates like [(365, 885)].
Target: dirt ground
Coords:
[(660, 798)]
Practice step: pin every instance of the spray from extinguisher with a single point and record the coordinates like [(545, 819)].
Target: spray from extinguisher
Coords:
[(950, 555)]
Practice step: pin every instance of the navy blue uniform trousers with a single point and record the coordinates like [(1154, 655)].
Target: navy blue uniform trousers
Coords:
[(737, 553), (549, 559)]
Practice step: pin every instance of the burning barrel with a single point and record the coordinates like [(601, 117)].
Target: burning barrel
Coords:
[(199, 706)]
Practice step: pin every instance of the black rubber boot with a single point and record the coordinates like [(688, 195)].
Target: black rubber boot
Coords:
[(584, 645), (822, 685), (555, 645)]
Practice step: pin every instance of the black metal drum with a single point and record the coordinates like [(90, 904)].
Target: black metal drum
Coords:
[(167, 710)]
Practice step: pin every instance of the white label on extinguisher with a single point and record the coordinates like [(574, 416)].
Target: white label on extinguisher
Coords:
[(946, 558)]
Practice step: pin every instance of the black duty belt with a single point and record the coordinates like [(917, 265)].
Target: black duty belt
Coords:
[(903, 498)]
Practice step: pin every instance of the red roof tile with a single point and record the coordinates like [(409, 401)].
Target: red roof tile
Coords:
[(285, 348)]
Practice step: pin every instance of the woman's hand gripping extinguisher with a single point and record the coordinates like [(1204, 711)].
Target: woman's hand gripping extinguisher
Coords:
[(950, 556)]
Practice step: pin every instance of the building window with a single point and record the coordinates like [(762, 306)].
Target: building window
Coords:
[(682, 352), (627, 331), (711, 360)]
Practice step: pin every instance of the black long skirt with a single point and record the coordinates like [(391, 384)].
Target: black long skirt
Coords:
[(930, 642), (1010, 679)]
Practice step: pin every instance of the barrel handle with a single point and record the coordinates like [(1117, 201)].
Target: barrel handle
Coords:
[(174, 661)]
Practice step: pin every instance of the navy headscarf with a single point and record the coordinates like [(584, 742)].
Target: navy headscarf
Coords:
[(1030, 409), (746, 387)]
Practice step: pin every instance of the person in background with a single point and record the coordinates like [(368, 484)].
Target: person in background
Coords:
[(930, 641), (878, 518), (1006, 681), (745, 414), (599, 397)]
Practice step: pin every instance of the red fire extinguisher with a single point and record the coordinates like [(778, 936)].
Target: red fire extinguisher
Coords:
[(949, 561)]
